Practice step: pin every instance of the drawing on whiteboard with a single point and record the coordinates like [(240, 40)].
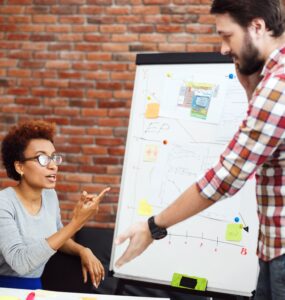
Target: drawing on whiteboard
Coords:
[(181, 120)]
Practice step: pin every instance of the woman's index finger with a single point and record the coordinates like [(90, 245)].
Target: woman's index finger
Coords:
[(100, 196)]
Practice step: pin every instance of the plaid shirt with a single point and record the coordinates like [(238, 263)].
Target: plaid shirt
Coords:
[(258, 146)]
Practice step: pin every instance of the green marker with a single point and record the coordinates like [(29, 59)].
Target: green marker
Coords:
[(189, 282)]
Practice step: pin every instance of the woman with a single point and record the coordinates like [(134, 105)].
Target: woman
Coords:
[(31, 229)]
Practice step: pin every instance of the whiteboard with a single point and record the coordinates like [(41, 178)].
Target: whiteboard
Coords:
[(183, 114)]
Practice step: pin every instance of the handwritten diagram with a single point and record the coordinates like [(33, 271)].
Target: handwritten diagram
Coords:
[(181, 121)]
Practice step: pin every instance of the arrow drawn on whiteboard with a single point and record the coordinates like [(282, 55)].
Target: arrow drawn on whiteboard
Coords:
[(245, 227)]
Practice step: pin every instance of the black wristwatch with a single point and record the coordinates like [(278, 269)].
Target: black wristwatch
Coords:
[(157, 233)]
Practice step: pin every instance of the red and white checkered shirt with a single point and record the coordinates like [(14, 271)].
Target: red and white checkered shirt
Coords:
[(258, 146)]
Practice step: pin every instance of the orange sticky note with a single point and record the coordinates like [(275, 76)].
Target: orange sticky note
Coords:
[(152, 111)]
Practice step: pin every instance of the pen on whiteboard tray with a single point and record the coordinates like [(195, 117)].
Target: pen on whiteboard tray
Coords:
[(31, 296)]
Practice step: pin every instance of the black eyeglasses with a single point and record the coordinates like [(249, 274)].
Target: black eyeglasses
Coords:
[(44, 159)]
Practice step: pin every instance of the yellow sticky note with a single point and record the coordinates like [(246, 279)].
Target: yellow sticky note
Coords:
[(9, 298), (150, 153), (152, 111), (144, 209), (234, 232)]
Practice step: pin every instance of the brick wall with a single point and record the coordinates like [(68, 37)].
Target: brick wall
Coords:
[(72, 62)]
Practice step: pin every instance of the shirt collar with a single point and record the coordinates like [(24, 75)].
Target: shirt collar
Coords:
[(273, 60)]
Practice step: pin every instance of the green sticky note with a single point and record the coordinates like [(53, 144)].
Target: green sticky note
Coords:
[(189, 282), (234, 232)]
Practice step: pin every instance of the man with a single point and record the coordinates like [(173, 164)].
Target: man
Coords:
[(252, 32)]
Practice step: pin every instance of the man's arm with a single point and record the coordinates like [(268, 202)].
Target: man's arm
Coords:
[(187, 204)]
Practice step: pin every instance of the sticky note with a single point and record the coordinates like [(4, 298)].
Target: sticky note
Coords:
[(9, 298), (234, 232), (152, 111), (150, 153), (144, 209)]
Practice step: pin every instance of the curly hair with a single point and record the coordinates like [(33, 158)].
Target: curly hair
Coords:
[(17, 139)]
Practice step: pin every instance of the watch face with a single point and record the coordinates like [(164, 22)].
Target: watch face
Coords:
[(157, 233)]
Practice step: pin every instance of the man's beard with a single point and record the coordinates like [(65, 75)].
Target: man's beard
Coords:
[(249, 60)]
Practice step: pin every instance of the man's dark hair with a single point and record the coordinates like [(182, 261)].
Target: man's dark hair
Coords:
[(244, 11)]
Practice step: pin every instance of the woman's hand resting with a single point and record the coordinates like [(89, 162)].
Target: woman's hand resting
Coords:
[(92, 265)]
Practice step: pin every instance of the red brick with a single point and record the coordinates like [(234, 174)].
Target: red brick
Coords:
[(71, 75), (106, 161), (57, 65), (71, 112), (116, 151), (78, 178), (19, 19), (91, 10), (58, 29), (78, 37), (55, 83), (31, 64), (45, 55), (44, 92), (114, 122), (11, 9), (8, 63), (29, 82), (99, 56), (71, 20), (109, 85), (44, 19), (169, 28), (145, 10), (21, 2), (109, 142), (8, 28), (17, 91), (151, 2), (94, 150), (44, 111), (28, 101), (67, 187), (56, 102), (108, 179), (99, 94), (71, 93), (86, 112), (212, 39)]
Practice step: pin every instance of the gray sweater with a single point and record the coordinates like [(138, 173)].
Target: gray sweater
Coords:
[(24, 250)]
